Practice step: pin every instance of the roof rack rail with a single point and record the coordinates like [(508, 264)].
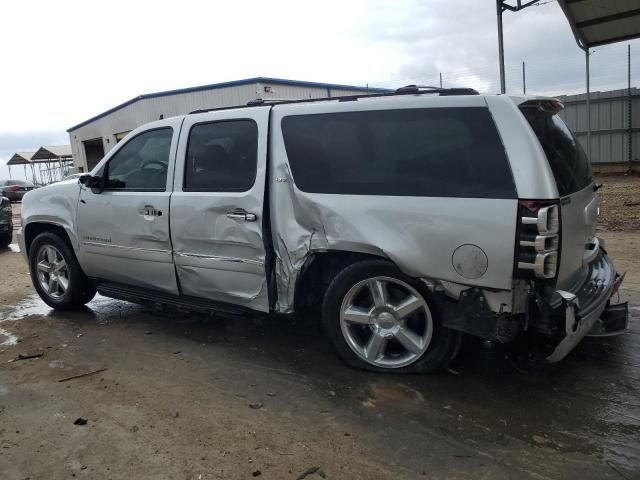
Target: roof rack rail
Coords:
[(269, 101), (406, 90), (443, 92)]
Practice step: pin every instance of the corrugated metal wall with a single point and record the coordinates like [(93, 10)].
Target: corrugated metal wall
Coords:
[(149, 109), (609, 126)]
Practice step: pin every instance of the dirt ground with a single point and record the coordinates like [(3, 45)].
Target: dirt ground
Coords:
[(179, 396), (620, 202)]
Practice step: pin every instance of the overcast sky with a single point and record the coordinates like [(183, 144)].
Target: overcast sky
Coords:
[(67, 60)]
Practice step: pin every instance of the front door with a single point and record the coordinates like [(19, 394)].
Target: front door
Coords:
[(124, 229), (217, 207)]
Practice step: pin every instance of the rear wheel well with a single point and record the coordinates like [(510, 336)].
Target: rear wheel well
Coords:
[(32, 230), (318, 271)]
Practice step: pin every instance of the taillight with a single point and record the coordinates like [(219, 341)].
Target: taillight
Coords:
[(538, 239), (14, 188)]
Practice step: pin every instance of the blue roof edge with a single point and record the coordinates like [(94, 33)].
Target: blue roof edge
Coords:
[(232, 83)]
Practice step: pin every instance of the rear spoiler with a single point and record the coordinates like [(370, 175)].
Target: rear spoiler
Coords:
[(545, 105)]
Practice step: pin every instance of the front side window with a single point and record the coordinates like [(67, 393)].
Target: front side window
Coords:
[(221, 157), (141, 164), (430, 152)]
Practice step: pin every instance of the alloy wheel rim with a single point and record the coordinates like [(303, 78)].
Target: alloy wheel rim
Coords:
[(52, 271), (386, 322)]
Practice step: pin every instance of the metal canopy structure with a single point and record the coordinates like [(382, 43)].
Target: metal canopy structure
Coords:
[(57, 160), (56, 152), (21, 158), (53, 163), (601, 22)]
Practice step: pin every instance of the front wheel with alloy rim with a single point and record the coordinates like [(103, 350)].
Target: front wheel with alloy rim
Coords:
[(380, 319), (56, 274)]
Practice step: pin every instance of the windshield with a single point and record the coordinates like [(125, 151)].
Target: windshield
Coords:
[(566, 157)]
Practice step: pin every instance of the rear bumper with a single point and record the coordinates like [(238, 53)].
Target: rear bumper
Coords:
[(581, 309)]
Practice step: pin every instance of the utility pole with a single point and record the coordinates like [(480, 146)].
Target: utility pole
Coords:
[(501, 6), (629, 111), (524, 79), (440, 79), (503, 84), (586, 53)]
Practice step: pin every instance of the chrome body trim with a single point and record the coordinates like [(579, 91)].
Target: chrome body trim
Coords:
[(136, 249), (220, 259)]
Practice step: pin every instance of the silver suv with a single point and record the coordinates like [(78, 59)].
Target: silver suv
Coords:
[(406, 219)]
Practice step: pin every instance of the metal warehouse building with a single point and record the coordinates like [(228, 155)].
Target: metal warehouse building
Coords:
[(91, 139)]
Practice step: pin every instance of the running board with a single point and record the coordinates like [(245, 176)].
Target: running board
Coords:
[(147, 296)]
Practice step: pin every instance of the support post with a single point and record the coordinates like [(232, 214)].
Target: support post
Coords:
[(9, 172), (503, 86), (440, 79), (586, 52), (524, 79)]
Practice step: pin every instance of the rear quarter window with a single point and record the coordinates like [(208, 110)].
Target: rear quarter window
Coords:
[(434, 152), (569, 164)]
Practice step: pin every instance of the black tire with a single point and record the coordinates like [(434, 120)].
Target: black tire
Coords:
[(79, 290), (5, 240), (441, 349)]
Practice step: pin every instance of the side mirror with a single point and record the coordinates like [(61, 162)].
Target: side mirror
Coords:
[(95, 183)]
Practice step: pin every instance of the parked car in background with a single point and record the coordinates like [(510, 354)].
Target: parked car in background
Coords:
[(14, 190), (6, 227), (407, 219)]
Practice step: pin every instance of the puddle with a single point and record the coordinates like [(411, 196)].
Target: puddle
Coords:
[(101, 308), (14, 247), (29, 306), (7, 338)]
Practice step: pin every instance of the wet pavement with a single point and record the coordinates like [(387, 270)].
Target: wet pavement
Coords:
[(579, 418)]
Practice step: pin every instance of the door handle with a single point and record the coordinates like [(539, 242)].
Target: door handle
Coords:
[(150, 211), (241, 215)]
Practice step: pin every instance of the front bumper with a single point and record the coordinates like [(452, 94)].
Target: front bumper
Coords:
[(21, 244), (583, 305)]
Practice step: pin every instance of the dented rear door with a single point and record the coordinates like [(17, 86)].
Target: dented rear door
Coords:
[(217, 207)]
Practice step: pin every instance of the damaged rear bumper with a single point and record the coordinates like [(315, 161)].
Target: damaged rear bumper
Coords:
[(585, 310)]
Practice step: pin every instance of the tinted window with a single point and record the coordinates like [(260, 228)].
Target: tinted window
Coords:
[(569, 163), (222, 156), (435, 152), (141, 164)]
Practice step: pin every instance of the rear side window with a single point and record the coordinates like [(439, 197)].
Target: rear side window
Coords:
[(434, 152), (221, 157), (569, 163)]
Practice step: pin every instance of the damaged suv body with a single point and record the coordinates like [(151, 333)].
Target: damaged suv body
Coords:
[(406, 219)]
